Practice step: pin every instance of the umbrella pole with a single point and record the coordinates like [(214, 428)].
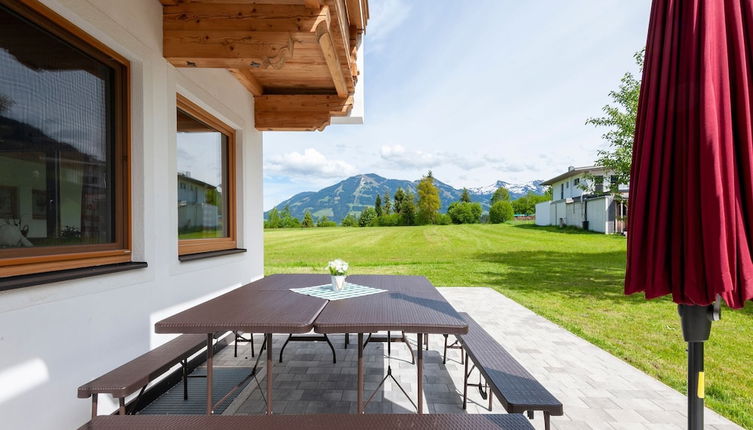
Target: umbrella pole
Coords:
[(696, 328), (695, 385)]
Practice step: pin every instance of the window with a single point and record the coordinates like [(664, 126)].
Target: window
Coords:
[(614, 183), (576, 181), (206, 181), (64, 194), (599, 184)]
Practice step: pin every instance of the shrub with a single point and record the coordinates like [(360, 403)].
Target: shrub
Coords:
[(291, 222), (350, 221), (325, 222), (367, 216), (444, 219), (500, 212), (465, 212), (390, 220)]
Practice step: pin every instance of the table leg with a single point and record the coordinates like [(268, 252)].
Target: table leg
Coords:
[(269, 373), (359, 389), (420, 368)]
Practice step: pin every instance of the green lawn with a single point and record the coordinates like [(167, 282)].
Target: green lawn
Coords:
[(569, 277)]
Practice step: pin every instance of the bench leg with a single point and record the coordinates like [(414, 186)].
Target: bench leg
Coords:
[(122, 409), (184, 364), (235, 346), (347, 340), (444, 354), (489, 393), (94, 405), (465, 381), (547, 424)]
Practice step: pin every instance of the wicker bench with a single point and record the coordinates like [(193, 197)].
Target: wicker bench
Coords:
[(517, 390), (310, 422), (137, 373)]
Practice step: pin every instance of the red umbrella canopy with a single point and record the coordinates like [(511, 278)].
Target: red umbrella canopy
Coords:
[(691, 190)]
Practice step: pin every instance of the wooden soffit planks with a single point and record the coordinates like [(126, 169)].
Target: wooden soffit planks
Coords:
[(300, 54)]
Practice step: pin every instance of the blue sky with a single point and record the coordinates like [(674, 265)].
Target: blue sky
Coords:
[(477, 91)]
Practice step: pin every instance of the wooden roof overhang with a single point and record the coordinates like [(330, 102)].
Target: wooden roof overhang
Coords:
[(297, 57)]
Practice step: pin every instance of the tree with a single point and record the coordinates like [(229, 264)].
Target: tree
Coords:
[(350, 221), (308, 220), (273, 220), (501, 211), (287, 220), (387, 203), (501, 195), (408, 209), (378, 205), (399, 197), (526, 205), (428, 200), (619, 119), (367, 216), (465, 212), (465, 197), (325, 222)]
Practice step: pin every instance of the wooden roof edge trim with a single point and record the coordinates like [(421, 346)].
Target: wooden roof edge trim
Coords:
[(299, 112)]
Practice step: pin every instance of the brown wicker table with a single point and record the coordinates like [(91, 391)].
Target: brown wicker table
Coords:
[(251, 310), (411, 304)]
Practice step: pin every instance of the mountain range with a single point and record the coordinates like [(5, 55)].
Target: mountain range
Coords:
[(354, 194)]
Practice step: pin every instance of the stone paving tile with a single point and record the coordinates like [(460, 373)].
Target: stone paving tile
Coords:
[(598, 390)]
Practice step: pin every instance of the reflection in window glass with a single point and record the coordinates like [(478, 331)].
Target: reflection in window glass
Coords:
[(202, 179), (56, 140)]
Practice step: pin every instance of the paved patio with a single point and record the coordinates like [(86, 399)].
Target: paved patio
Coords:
[(598, 390)]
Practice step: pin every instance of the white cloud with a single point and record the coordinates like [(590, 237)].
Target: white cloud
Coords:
[(310, 163), (398, 156)]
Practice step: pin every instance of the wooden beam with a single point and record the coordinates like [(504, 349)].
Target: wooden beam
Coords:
[(313, 4), (246, 17), (229, 49), (355, 14), (327, 45), (245, 77), (298, 112)]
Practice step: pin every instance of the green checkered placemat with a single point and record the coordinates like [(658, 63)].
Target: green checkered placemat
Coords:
[(326, 292)]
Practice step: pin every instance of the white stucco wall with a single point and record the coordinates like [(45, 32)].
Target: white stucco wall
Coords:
[(56, 337), (597, 214), (542, 213)]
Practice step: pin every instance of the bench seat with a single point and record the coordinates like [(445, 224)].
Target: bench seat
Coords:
[(137, 373), (310, 422), (511, 383)]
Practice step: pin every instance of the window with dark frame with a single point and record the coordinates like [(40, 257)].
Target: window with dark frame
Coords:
[(206, 189), (64, 193)]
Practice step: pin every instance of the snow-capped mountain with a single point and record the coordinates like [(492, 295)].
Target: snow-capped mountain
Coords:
[(354, 194)]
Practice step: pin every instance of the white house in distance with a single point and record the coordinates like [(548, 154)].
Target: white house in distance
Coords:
[(582, 197), (103, 103)]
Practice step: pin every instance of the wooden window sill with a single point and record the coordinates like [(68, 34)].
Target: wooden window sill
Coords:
[(21, 281), (210, 254)]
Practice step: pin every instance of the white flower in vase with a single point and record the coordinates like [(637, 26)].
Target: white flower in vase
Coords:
[(339, 270)]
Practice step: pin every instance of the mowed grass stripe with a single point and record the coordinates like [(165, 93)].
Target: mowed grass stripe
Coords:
[(572, 278)]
